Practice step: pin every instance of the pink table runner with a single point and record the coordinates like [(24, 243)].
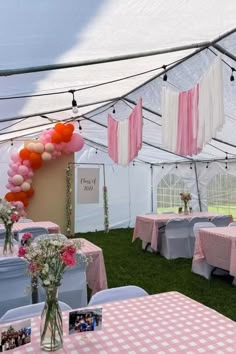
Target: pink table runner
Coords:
[(146, 226), (218, 247), (96, 272), (159, 324), (18, 226)]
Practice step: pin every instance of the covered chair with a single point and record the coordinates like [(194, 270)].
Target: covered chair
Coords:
[(34, 230), (232, 224), (192, 222), (222, 220), (116, 294), (73, 288), (14, 283), (28, 311), (175, 242), (2, 234)]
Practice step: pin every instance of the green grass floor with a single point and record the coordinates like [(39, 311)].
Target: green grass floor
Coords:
[(127, 264)]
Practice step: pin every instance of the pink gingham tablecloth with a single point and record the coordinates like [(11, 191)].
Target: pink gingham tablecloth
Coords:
[(217, 246), (18, 226), (96, 271), (158, 324), (146, 226)]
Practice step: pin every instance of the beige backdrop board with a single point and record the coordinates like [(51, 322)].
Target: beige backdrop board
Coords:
[(49, 200)]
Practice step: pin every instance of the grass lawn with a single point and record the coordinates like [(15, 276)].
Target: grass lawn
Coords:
[(127, 264)]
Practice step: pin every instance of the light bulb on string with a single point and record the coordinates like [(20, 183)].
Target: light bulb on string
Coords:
[(80, 126), (74, 103), (232, 78), (113, 110), (207, 164), (165, 74)]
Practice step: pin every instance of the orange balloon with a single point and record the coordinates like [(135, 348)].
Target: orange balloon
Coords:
[(10, 197), (59, 127), (35, 160), (25, 202), (70, 126), (24, 154), (30, 192), (20, 195), (56, 138)]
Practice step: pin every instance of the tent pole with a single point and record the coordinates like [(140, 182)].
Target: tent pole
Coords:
[(198, 191), (202, 45), (224, 51)]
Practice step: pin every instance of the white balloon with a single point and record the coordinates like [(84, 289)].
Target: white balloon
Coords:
[(25, 187), (17, 180), (30, 146), (39, 147), (49, 147), (46, 156)]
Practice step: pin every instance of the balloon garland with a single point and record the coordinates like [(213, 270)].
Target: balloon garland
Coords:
[(51, 144)]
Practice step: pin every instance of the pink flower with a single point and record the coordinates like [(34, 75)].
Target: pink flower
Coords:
[(22, 251), (68, 259), (70, 249), (26, 236), (14, 217)]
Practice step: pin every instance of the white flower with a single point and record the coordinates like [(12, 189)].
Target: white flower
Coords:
[(46, 282)]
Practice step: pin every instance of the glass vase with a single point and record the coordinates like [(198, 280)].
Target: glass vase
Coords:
[(185, 208), (51, 328), (8, 241)]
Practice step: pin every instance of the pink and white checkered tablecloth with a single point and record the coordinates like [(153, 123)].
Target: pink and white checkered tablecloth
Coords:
[(159, 324), (96, 271), (146, 226), (217, 246), (18, 226)]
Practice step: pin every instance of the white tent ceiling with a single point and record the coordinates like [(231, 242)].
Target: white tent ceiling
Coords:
[(35, 35)]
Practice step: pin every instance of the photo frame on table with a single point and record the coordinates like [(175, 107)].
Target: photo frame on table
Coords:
[(14, 335), (87, 320)]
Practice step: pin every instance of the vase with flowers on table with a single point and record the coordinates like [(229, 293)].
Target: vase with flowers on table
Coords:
[(8, 215), (185, 198)]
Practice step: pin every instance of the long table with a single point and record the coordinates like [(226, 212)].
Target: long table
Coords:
[(158, 324), (215, 247), (95, 272), (18, 226), (146, 226)]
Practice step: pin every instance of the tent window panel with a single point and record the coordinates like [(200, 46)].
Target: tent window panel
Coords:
[(221, 194), (168, 191)]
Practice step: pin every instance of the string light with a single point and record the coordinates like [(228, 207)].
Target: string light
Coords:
[(163, 166), (165, 74), (74, 103), (226, 165), (176, 166), (226, 156), (113, 110), (191, 166), (96, 151), (207, 164), (134, 163), (11, 142), (232, 79), (80, 126)]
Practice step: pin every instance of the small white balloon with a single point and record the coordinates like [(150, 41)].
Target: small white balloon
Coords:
[(39, 147), (17, 180), (49, 147), (25, 187), (46, 156), (30, 146)]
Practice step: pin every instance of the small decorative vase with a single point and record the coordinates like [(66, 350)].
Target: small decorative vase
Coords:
[(51, 330), (8, 241), (185, 208)]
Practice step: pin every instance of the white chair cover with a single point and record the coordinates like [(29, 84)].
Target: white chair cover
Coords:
[(14, 283), (73, 289), (175, 242), (221, 220), (116, 294), (192, 222), (60, 237), (22, 220), (2, 242), (32, 310), (232, 224), (34, 230)]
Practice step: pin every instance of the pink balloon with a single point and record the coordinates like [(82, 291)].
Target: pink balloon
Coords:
[(16, 189), (10, 172), (75, 144), (23, 170), (19, 205), (15, 157), (14, 166), (26, 163), (30, 174), (8, 186)]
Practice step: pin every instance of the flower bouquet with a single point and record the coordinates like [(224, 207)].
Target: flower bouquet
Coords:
[(48, 258), (8, 215), (185, 197)]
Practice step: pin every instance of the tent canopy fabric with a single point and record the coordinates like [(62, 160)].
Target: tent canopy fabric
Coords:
[(182, 35)]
